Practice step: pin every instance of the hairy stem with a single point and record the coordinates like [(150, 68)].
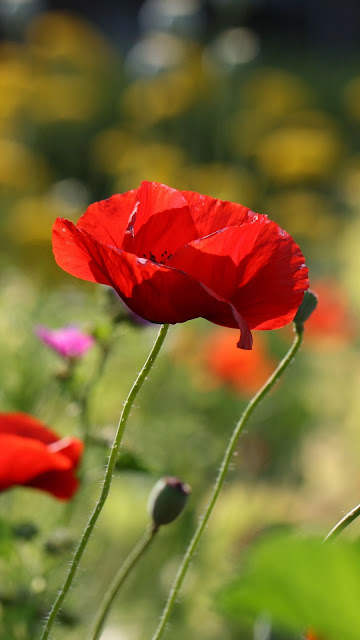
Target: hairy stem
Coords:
[(119, 579), (230, 450), (107, 480), (342, 524)]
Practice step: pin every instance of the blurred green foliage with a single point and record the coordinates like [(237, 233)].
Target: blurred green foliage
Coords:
[(299, 583)]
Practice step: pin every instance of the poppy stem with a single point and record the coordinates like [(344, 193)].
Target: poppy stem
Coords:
[(342, 524), (119, 579), (107, 480), (229, 452)]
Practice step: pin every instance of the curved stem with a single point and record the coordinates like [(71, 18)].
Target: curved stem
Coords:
[(119, 579), (342, 524), (230, 450), (107, 479)]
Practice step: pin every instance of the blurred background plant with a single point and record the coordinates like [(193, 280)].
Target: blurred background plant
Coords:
[(246, 100)]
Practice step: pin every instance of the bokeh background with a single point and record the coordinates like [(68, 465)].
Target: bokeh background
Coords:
[(253, 101)]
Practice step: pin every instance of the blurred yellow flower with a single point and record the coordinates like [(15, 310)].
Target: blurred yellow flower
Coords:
[(248, 127), (21, 169), (56, 37), (129, 160), (108, 148), (274, 92), (304, 213), (349, 182), (294, 154), (156, 161), (15, 80), (149, 100), (32, 218), (226, 182), (267, 98), (60, 96)]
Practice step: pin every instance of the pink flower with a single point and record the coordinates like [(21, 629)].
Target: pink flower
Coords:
[(68, 342)]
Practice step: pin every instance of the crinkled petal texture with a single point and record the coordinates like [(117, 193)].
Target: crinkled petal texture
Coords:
[(32, 455), (175, 255)]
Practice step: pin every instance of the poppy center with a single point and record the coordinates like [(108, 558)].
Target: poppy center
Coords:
[(151, 256)]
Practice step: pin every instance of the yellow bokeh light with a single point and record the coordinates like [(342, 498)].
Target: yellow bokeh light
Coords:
[(56, 37), (66, 97), (226, 182), (275, 92), (15, 80), (148, 101), (155, 161), (304, 213), (21, 168), (292, 154)]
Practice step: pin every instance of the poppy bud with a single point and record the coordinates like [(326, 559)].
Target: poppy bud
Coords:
[(305, 310), (167, 500)]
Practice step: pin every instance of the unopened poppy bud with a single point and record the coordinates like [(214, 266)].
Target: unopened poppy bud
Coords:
[(167, 500), (305, 310)]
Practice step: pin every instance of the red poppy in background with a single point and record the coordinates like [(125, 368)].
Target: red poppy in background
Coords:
[(243, 371), (176, 255), (310, 635), (34, 456), (332, 318)]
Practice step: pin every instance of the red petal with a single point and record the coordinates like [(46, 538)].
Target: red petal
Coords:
[(71, 448), (257, 267), (212, 260), (61, 484), (22, 424), (22, 459), (274, 278), (161, 223), (70, 247), (108, 219), (210, 214)]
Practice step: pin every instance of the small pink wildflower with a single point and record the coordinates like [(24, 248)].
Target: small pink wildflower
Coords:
[(68, 342)]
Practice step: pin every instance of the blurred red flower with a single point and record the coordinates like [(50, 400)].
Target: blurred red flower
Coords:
[(176, 255), (34, 456), (243, 371), (332, 317), (310, 635)]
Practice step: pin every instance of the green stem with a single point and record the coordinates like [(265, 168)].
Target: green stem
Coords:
[(107, 479), (230, 450), (342, 524), (119, 579)]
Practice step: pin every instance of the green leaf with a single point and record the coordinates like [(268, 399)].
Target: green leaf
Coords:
[(300, 583)]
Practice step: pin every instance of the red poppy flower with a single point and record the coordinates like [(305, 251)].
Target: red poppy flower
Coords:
[(34, 456), (243, 371), (176, 255)]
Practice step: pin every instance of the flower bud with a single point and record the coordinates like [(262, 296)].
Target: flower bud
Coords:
[(167, 500), (305, 310)]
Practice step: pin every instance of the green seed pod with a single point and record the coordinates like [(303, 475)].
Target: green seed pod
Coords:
[(305, 310), (167, 500)]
